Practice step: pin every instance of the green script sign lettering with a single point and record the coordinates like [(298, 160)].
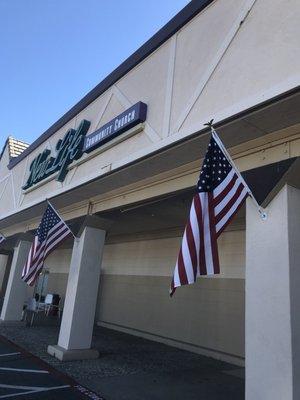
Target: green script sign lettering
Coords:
[(68, 149), (76, 142)]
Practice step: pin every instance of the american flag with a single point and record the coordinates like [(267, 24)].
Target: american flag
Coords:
[(221, 191), (49, 234)]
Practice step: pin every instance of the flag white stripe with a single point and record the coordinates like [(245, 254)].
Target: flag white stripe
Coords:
[(35, 259), (195, 230), (39, 264), (187, 260), (43, 247), (50, 238), (202, 229), (55, 227), (228, 197), (25, 268), (176, 276), (207, 239), (232, 210), (35, 273), (200, 238), (40, 256), (29, 259), (219, 189), (39, 248), (32, 253), (64, 233), (61, 220)]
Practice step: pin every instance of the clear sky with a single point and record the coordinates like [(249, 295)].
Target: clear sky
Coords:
[(54, 51)]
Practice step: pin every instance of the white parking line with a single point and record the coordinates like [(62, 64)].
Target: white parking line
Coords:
[(35, 371), (9, 354), (20, 387), (29, 390)]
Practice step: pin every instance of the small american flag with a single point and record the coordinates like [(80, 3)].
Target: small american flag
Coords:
[(220, 193), (49, 234)]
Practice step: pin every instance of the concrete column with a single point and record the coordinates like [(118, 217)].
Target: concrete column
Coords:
[(273, 299), (16, 289), (3, 266), (77, 324)]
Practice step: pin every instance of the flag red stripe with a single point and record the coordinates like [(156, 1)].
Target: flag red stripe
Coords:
[(213, 235), (31, 278), (181, 269), (40, 246), (39, 249), (192, 248), (198, 208), (42, 254), (51, 232), (225, 191), (212, 210), (62, 237), (229, 220), (230, 203), (41, 265)]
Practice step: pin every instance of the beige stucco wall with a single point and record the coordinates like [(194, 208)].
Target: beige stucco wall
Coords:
[(191, 78), (158, 257), (59, 261), (58, 265), (207, 317)]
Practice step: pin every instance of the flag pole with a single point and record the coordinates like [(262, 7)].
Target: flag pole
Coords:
[(60, 218), (230, 160)]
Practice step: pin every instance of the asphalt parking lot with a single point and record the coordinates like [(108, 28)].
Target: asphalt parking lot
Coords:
[(24, 376), (129, 368)]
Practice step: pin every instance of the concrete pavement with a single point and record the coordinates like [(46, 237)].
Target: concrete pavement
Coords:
[(131, 368), (24, 376)]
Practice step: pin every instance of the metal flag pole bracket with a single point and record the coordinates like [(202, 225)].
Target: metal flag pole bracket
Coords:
[(216, 137)]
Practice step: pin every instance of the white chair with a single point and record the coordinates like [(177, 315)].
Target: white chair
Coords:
[(49, 300), (47, 303)]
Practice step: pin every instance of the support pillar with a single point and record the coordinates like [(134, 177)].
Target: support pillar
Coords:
[(16, 289), (273, 298), (3, 267), (77, 324)]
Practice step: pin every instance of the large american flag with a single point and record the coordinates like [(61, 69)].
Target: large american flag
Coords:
[(221, 191), (49, 234)]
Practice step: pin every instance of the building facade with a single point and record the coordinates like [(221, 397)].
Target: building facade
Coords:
[(121, 167)]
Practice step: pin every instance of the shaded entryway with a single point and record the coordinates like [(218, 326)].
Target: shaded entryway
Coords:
[(131, 368)]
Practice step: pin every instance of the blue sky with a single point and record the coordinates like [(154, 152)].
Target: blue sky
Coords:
[(54, 51)]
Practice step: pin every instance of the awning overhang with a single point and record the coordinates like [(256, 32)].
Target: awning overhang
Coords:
[(271, 116)]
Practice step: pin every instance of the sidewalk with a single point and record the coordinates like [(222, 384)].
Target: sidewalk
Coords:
[(131, 368)]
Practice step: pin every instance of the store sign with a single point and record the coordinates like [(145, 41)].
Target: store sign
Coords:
[(68, 149), (75, 143), (123, 122)]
